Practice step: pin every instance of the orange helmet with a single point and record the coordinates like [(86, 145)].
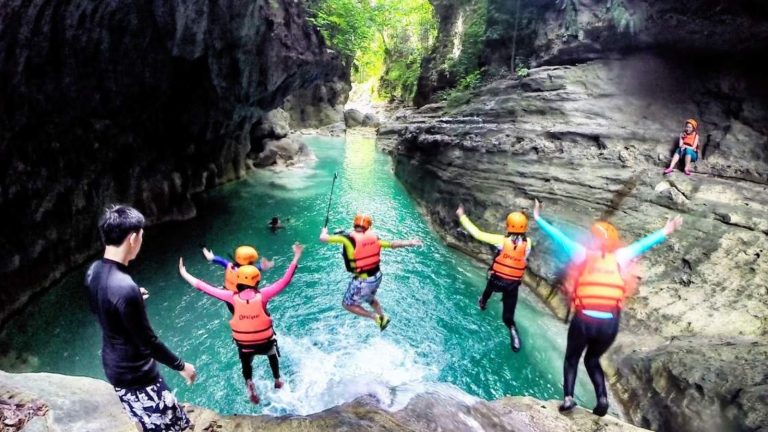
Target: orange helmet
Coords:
[(248, 275), (693, 123), (517, 223), (246, 255), (605, 235), (363, 220)]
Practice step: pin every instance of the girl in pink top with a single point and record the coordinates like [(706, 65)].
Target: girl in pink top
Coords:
[(251, 323)]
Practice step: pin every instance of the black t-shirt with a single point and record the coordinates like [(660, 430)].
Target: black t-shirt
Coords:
[(129, 345)]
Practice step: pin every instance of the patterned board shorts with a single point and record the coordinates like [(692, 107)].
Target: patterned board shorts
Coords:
[(154, 408), (362, 290)]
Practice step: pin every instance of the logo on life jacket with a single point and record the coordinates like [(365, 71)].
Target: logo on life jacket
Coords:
[(367, 254), (510, 262), (250, 323)]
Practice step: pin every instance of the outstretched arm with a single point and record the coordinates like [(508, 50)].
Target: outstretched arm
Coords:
[(221, 294), (396, 244), (271, 291), (628, 253), (576, 252), (474, 231), (210, 257)]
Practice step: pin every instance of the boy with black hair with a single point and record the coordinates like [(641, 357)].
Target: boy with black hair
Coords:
[(130, 349)]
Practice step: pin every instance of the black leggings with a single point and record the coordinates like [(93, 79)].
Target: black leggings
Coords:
[(596, 336), (508, 289), (247, 353)]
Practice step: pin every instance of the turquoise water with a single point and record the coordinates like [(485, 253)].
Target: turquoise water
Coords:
[(438, 339)]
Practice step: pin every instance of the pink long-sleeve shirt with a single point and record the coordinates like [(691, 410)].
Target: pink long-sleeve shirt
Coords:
[(267, 293)]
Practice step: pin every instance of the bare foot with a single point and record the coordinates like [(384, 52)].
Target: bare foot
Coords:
[(278, 384)]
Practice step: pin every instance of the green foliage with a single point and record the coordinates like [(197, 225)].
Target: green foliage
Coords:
[(347, 25), (386, 39), (521, 72), (462, 93)]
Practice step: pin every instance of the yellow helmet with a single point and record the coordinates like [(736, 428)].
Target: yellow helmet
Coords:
[(248, 275), (246, 255), (517, 223)]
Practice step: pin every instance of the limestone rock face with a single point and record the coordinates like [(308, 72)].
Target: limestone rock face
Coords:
[(353, 118), (590, 141), (89, 405), (565, 32), (140, 103), (425, 412), (713, 384), (74, 403)]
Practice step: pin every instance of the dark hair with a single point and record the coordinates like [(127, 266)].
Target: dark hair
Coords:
[(242, 287), (275, 220), (117, 222)]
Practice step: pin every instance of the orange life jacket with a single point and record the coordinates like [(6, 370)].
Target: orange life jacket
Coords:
[(689, 140), (510, 262), (250, 322), (230, 278), (600, 285), (367, 252)]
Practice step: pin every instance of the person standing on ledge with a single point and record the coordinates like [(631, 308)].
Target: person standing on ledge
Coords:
[(508, 267), (130, 349), (361, 250), (598, 289)]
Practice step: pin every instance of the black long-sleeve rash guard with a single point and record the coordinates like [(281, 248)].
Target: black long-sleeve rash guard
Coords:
[(129, 345)]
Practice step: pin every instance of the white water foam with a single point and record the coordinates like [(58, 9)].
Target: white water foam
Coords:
[(326, 376)]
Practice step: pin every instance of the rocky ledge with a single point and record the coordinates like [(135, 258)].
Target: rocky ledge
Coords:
[(88, 405), (590, 141)]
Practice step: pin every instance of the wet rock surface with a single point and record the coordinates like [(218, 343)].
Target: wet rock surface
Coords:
[(140, 103), (89, 405)]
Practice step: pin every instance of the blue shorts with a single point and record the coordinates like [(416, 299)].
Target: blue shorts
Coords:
[(362, 290), (688, 151)]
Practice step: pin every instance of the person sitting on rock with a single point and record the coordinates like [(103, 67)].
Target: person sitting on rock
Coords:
[(507, 268), (599, 285), (688, 147)]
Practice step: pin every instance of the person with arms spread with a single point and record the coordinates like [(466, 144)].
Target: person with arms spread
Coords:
[(130, 349), (361, 250), (251, 322), (597, 292)]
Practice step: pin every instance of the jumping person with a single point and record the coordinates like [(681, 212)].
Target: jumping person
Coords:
[(251, 322), (688, 147), (507, 268), (244, 255), (130, 349), (361, 250), (597, 293)]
